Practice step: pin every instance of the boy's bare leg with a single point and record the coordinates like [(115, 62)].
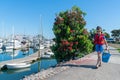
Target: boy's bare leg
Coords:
[(98, 60)]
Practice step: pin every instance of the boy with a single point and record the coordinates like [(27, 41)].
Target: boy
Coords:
[(99, 41)]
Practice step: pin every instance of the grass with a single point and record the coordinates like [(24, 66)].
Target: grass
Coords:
[(118, 50), (117, 46)]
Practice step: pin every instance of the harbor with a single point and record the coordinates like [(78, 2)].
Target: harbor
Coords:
[(36, 65), (59, 40), (30, 58), (24, 56), (18, 74)]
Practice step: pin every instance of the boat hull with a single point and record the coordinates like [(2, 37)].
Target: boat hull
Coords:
[(17, 65)]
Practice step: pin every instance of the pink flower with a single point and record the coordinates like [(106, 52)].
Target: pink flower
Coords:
[(76, 42)]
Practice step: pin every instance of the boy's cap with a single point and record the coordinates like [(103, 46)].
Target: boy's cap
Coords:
[(98, 28)]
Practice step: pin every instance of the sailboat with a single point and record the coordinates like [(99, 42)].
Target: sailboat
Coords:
[(2, 40), (1, 44), (12, 43), (17, 65), (11, 71)]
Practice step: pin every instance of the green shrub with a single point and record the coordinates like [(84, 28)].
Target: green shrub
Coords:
[(70, 35)]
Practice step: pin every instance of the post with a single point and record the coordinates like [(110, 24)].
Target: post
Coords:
[(39, 37), (39, 50), (13, 41)]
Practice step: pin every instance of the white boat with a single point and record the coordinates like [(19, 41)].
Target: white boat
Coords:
[(25, 45), (13, 44), (7, 50), (49, 52), (41, 46), (11, 71), (1, 43), (47, 44), (46, 56), (17, 65)]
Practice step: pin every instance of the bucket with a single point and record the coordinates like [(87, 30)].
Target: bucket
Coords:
[(106, 56)]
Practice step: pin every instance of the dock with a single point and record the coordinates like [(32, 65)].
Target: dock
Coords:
[(30, 58)]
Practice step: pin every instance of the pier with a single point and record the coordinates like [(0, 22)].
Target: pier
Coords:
[(30, 58)]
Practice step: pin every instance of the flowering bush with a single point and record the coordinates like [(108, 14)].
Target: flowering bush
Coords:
[(70, 35)]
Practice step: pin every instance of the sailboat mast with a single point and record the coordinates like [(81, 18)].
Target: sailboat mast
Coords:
[(41, 28), (13, 35), (2, 30), (40, 38), (13, 32)]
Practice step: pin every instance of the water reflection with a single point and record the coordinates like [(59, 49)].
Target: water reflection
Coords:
[(14, 54), (39, 65), (20, 73), (13, 71)]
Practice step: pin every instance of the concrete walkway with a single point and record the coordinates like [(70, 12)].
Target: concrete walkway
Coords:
[(84, 69)]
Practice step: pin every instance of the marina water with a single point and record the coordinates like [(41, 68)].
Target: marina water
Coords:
[(18, 74)]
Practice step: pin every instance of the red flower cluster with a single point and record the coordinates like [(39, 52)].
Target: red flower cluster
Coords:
[(76, 42), (70, 48), (65, 42), (56, 23), (68, 45), (58, 20), (71, 44), (72, 31)]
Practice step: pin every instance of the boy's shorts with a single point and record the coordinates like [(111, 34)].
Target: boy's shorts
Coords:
[(99, 48)]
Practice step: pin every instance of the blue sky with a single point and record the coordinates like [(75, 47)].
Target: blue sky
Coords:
[(24, 15)]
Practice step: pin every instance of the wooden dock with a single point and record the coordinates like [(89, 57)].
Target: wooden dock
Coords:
[(29, 58)]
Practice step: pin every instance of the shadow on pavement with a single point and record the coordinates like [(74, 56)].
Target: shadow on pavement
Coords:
[(84, 66), (88, 66)]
